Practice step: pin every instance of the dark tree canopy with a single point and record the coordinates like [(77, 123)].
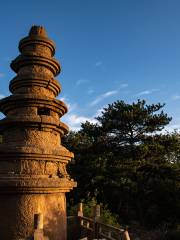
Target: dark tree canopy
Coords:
[(132, 122), (126, 161)]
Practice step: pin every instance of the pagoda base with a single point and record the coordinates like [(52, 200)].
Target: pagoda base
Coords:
[(17, 215)]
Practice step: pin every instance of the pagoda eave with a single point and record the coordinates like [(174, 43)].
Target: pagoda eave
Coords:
[(30, 60), (34, 184), (27, 81)]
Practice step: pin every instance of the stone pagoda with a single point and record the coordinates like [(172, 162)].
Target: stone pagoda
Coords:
[(33, 177)]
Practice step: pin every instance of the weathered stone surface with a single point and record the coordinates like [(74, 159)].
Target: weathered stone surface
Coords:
[(18, 211), (33, 176)]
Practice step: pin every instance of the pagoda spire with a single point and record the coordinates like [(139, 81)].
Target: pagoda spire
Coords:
[(33, 176)]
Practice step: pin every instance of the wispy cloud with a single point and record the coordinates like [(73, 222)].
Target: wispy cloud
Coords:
[(147, 92), (74, 121), (81, 81), (2, 96), (175, 97), (123, 85), (99, 111), (103, 96), (74, 118), (98, 63), (172, 128), (90, 91), (71, 106)]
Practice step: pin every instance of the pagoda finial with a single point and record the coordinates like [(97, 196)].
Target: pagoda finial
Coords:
[(33, 176), (37, 30)]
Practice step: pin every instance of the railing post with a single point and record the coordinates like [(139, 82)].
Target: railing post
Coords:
[(97, 212), (38, 221), (126, 235), (38, 227), (79, 219), (80, 209), (97, 215)]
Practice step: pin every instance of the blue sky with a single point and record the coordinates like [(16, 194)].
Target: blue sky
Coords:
[(108, 49)]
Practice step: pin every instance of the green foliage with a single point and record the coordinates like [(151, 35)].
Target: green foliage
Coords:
[(128, 164), (108, 217), (133, 121), (88, 210)]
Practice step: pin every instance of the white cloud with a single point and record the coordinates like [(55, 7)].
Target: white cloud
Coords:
[(99, 63), (110, 93), (147, 92), (172, 128), (2, 96), (144, 93), (90, 91), (71, 106), (99, 111), (74, 121), (123, 85), (103, 96), (63, 99), (176, 97), (81, 81)]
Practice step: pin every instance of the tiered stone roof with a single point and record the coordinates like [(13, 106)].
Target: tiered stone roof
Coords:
[(32, 159)]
